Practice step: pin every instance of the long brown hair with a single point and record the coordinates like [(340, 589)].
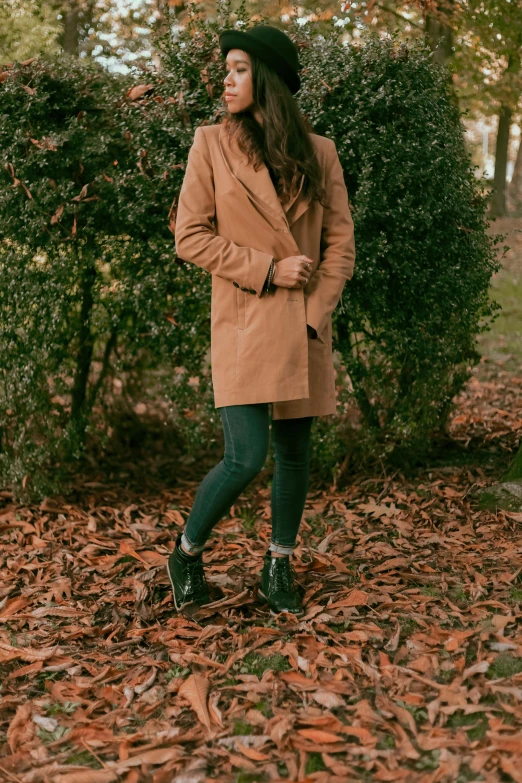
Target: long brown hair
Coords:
[(282, 143)]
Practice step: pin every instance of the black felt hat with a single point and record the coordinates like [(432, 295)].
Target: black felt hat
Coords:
[(270, 45)]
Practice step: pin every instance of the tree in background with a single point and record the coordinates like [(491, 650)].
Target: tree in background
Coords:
[(481, 42), (28, 28), (515, 187), (491, 63)]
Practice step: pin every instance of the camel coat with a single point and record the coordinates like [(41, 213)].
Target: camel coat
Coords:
[(231, 222)]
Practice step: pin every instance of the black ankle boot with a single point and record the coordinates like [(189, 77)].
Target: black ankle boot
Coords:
[(278, 586), (187, 577)]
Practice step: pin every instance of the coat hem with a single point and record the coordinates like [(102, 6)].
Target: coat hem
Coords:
[(252, 400)]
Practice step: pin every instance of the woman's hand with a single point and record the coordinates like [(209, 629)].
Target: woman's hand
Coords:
[(293, 272)]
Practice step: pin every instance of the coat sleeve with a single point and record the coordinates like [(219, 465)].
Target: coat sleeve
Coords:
[(338, 254), (195, 234)]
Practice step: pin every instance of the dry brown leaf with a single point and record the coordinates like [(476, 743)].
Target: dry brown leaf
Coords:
[(155, 756), (27, 653), (316, 735), (355, 598), (13, 606), (279, 729), (510, 744), (512, 768), (21, 730), (477, 668), (328, 699), (138, 91), (195, 691), (251, 753), (214, 711), (87, 776)]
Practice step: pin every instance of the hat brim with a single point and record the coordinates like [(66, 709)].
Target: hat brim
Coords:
[(236, 39)]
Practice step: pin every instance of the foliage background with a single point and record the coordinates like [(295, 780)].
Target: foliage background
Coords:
[(94, 300)]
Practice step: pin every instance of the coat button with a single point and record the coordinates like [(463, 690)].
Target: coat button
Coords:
[(244, 289), (252, 290), (236, 284)]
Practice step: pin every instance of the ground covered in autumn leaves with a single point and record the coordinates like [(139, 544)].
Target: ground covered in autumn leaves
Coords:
[(407, 665)]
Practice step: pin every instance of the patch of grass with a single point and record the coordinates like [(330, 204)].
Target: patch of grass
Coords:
[(505, 665), (264, 708), (431, 590), (487, 501), (508, 718), (125, 559), (408, 626), (458, 596), (515, 595), (471, 652), (42, 677), (504, 338), (466, 775), (477, 723), (250, 777), (241, 728), (57, 708), (429, 760), (249, 518), (230, 681), (420, 714), (489, 699), (84, 759), (176, 671), (255, 663), (317, 523), (452, 622), (445, 676), (386, 743), (52, 736), (340, 627), (314, 763)]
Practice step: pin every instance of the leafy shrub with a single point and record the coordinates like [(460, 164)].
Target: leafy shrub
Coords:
[(89, 282), (409, 319)]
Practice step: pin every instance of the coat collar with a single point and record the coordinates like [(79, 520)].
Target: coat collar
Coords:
[(259, 186)]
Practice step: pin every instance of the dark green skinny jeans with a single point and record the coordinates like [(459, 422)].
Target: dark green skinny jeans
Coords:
[(247, 429)]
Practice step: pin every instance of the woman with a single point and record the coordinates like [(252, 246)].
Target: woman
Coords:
[(264, 208)]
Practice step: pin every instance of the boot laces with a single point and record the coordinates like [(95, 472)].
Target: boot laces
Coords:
[(283, 575), (196, 581)]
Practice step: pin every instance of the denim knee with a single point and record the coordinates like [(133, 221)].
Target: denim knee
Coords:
[(248, 465), (292, 455)]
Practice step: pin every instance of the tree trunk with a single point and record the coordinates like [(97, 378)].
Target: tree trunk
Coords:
[(440, 37), (515, 187), (498, 206), (71, 32)]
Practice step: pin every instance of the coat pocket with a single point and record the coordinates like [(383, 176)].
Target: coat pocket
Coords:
[(241, 308)]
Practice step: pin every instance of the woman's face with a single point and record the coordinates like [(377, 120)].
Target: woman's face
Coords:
[(238, 82)]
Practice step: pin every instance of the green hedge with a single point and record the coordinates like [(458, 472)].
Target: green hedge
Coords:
[(91, 292), (419, 297)]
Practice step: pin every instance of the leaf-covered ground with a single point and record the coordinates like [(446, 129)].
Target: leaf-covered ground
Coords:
[(407, 665)]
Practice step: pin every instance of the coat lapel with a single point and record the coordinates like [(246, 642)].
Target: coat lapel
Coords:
[(259, 186)]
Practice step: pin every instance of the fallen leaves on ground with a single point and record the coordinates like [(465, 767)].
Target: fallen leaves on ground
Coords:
[(407, 665)]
